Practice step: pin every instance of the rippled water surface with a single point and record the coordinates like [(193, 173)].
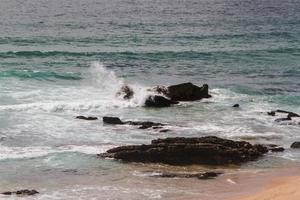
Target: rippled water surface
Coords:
[(60, 59)]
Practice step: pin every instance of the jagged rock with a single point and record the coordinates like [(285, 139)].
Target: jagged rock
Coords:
[(86, 118), (236, 106), (125, 92), (203, 176), (141, 124), (159, 102), (112, 120), (295, 145), (184, 92), (22, 192), (208, 150)]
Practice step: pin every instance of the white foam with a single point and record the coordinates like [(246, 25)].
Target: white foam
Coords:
[(39, 151)]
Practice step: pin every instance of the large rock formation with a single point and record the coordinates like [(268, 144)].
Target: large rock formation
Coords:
[(184, 151), (184, 92)]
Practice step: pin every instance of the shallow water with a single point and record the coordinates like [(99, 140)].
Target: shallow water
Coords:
[(60, 59)]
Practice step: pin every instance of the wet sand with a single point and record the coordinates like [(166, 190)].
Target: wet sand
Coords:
[(280, 188)]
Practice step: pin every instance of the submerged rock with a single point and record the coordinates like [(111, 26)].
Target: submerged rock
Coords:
[(184, 92), (22, 192), (159, 101), (86, 118), (295, 145), (208, 150), (202, 176), (141, 124)]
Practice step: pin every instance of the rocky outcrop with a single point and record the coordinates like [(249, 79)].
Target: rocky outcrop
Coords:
[(208, 150), (202, 176), (295, 145), (159, 101), (86, 118), (141, 124), (22, 192), (184, 92)]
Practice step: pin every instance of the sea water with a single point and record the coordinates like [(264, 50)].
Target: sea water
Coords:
[(63, 58)]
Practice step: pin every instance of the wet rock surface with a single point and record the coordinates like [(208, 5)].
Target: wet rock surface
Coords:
[(208, 150), (202, 176), (295, 145), (112, 120), (159, 101), (141, 124), (86, 118), (25, 192), (184, 92)]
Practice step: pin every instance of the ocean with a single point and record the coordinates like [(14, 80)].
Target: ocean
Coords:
[(64, 58)]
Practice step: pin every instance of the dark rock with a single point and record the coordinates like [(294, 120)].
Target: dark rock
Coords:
[(272, 113), (274, 148), (141, 124), (7, 193), (291, 114), (208, 175), (158, 102), (203, 176), (186, 92), (125, 92), (295, 145), (86, 118), (145, 124), (22, 192), (236, 106), (157, 127), (112, 120), (277, 149), (283, 119), (208, 150), (164, 130)]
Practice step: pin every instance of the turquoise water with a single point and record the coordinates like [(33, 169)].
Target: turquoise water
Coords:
[(60, 59)]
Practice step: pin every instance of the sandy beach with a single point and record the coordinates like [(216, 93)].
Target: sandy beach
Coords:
[(281, 188)]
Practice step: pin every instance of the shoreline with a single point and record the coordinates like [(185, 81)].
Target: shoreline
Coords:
[(280, 188), (281, 184)]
